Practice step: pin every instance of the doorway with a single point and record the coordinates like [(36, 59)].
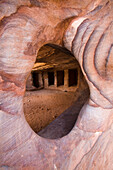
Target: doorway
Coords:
[(60, 78), (35, 77), (50, 78), (73, 77)]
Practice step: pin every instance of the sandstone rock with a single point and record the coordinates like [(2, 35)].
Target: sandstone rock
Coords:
[(89, 144)]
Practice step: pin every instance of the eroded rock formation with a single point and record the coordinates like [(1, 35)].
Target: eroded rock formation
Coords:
[(25, 26)]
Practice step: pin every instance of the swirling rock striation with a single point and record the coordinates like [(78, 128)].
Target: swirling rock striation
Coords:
[(22, 33)]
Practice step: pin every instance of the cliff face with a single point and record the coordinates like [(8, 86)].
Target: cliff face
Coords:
[(86, 29)]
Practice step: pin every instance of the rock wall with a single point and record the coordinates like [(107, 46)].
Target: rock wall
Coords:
[(88, 145)]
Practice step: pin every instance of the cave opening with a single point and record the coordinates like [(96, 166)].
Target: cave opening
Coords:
[(58, 92)]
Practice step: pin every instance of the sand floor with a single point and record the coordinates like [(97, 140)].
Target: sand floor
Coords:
[(41, 107)]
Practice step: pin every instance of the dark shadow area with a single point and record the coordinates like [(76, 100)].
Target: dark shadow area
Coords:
[(35, 79), (73, 77), (50, 78), (60, 78)]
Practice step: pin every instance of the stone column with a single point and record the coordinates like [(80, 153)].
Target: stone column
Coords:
[(45, 79), (55, 78), (66, 78)]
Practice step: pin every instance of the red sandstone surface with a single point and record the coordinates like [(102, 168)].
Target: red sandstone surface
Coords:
[(86, 29)]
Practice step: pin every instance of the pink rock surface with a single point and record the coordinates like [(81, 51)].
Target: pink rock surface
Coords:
[(89, 36)]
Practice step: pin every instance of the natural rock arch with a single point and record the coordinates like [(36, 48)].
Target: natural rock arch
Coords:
[(21, 34)]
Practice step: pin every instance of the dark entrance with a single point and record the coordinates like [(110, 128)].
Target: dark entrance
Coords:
[(50, 78), (73, 77), (35, 79), (60, 78)]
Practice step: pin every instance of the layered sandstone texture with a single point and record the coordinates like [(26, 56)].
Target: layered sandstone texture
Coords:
[(84, 28)]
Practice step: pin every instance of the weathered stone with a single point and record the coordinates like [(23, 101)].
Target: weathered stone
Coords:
[(89, 36)]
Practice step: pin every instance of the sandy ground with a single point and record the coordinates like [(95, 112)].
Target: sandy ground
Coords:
[(64, 123), (42, 106)]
